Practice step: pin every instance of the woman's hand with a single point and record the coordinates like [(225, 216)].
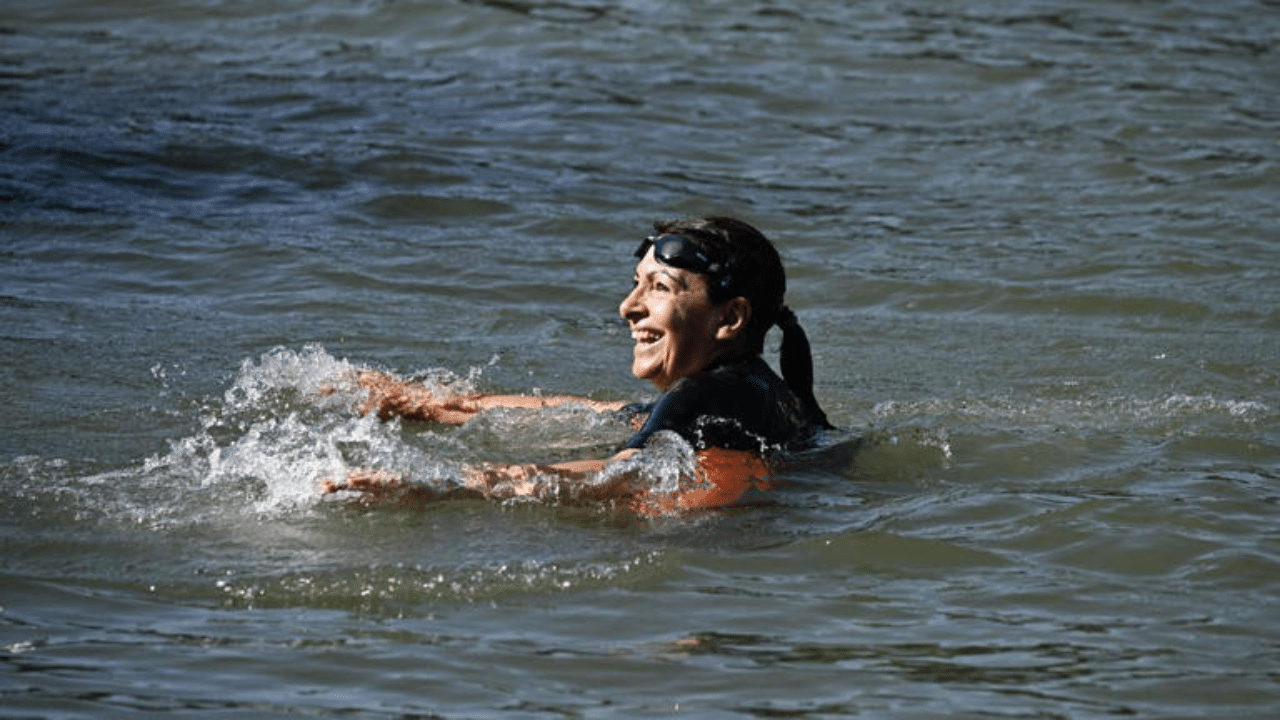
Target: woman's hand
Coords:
[(382, 485), (390, 396), (373, 482)]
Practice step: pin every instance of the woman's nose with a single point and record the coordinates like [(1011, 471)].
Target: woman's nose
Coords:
[(631, 307)]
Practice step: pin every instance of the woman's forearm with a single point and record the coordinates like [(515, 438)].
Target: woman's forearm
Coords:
[(390, 397), (538, 402)]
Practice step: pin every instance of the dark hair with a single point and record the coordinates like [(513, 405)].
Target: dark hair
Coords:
[(753, 269)]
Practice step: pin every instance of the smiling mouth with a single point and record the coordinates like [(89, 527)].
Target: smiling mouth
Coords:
[(645, 337)]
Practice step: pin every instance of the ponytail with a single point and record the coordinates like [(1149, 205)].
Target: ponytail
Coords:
[(796, 361)]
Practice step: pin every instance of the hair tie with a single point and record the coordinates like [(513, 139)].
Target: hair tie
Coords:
[(786, 318)]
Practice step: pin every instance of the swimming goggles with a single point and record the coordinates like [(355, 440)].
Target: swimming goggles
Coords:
[(680, 252)]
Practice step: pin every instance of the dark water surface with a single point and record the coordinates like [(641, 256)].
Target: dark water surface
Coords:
[(1034, 243)]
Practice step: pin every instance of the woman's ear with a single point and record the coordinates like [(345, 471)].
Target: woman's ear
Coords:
[(734, 316)]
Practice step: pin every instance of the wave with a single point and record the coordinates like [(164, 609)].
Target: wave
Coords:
[(288, 424)]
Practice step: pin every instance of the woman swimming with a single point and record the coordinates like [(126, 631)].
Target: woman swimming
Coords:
[(705, 293)]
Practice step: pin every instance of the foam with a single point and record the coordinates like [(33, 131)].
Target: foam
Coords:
[(288, 424)]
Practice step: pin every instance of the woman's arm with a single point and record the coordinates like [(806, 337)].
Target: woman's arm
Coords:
[(390, 396), (495, 482), (725, 478), (578, 476)]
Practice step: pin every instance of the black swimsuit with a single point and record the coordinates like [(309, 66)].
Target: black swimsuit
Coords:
[(742, 405)]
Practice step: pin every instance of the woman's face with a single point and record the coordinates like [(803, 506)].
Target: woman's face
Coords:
[(673, 322)]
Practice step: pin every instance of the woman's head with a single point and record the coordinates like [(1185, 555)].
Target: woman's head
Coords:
[(707, 289), (745, 264), (677, 326)]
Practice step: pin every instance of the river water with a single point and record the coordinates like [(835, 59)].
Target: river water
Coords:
[(1034, 244)]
